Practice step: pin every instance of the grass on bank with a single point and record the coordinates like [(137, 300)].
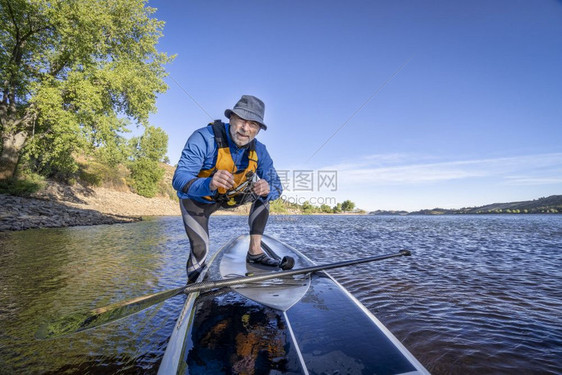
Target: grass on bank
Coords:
[(24, 186)]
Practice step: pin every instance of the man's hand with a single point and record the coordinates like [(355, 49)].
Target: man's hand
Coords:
[(261, 188), (221, 179)]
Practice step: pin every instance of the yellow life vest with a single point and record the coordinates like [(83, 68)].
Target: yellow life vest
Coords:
[(232, 196)]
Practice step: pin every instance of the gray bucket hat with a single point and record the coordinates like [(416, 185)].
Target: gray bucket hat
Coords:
[(249, 108)]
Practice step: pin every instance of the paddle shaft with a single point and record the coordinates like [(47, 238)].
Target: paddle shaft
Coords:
[(81, 321), (212, 284)]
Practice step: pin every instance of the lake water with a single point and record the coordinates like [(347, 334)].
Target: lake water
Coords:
[(480, 295)]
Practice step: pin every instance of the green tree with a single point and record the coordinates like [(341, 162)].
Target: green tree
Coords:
[(307, 207), (347, 206), (153, 144), (326, 209), (145, 175), (337, 208), (74, 74), (148, 150), (117, 151)]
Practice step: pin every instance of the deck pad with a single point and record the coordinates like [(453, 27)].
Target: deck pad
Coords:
[(280, 293)]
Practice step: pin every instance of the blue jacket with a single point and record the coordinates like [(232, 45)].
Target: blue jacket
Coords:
[(200, 152)]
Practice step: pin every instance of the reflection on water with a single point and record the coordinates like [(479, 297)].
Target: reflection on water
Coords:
[(480, 295)]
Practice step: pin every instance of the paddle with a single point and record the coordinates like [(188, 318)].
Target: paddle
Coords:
[(85, 320)]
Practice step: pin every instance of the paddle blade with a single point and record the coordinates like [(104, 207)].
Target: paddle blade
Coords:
[(81, 321)]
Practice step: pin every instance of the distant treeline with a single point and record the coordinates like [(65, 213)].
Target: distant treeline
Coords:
[(282, 206), (545, 205)]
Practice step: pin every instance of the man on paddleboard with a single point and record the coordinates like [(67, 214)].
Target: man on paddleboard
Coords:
[(224, 166)]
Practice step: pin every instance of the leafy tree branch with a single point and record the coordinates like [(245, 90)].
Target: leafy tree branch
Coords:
[(75, 74)]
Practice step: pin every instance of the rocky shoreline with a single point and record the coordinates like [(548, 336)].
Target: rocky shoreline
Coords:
[(26, 213), (59, 205)]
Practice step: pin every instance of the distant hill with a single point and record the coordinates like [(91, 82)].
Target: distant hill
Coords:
[(548, 205), (389, 213)]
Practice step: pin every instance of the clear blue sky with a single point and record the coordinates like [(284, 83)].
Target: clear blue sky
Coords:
[(465, 97)]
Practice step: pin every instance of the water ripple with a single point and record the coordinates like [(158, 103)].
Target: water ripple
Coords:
[(481, 294)]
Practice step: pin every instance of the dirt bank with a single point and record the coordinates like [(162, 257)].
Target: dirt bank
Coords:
[(60, 206)]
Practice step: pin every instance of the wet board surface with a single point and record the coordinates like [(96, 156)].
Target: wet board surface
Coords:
[(293, 325)]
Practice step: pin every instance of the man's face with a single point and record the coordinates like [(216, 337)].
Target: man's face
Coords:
[(242, 131)]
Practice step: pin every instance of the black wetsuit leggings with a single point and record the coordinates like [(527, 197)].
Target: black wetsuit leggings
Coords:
[(196, 221)]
